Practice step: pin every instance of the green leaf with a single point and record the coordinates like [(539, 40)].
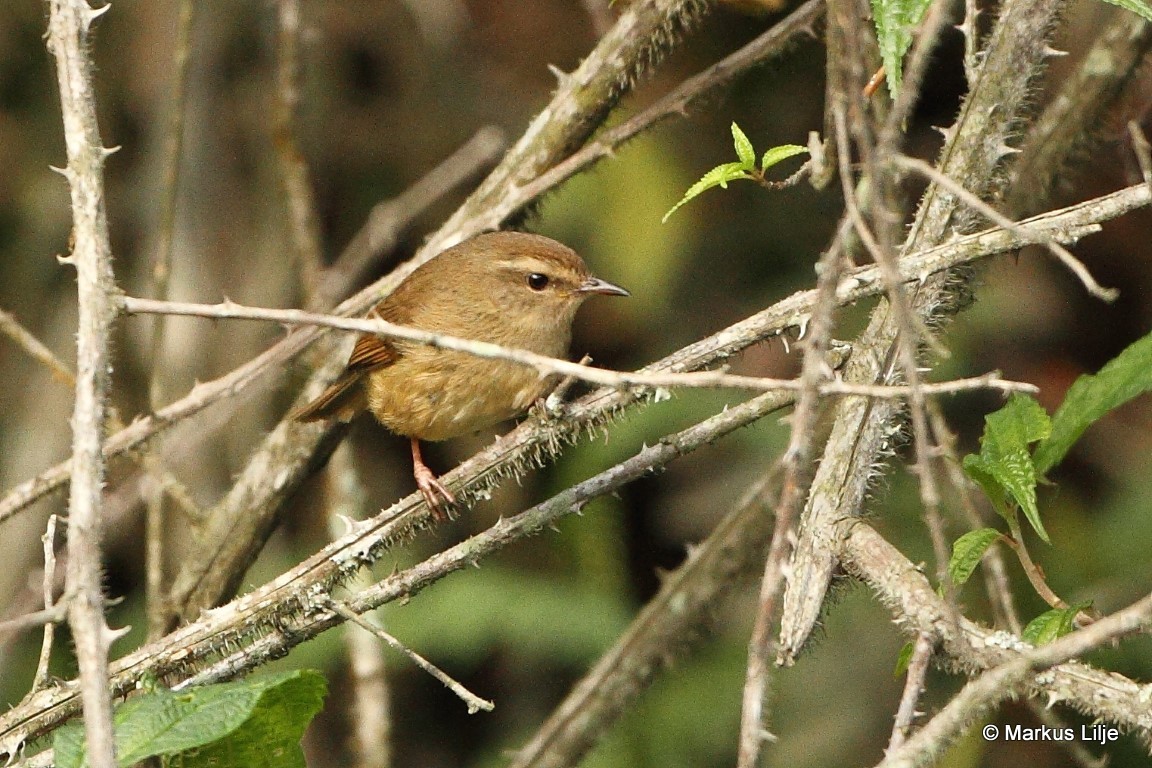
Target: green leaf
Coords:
[(974, 468), (717, 177), (966, 553), (904, 658), (1141, 7), (270, 737), (1052, 624), (744, 149), (1004, 466), (1124, 377), (256, 722), (774, 155), (896, 20)]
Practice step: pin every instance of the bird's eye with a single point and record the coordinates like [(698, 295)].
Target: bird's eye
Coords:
[(537, 281)]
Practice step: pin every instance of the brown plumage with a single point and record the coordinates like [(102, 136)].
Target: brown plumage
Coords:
[(509, 288)]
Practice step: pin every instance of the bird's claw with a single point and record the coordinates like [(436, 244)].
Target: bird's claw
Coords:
[(435, 493)]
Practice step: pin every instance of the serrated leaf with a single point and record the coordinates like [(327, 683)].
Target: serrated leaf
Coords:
[(1004, 459), (744, 149), (896, 20), (257, 722), (967, 552), (1141, 7), (974, 468), (1052, 624), (270, 737), (774, 155), (717, 177), (1124, 377)]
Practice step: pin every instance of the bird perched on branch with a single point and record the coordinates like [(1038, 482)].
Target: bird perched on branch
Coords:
[(509, 288)]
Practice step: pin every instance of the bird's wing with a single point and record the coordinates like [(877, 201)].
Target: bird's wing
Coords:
[(345, 397), (372, 352)]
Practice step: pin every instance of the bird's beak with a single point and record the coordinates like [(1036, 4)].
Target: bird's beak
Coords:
[(596, 285)]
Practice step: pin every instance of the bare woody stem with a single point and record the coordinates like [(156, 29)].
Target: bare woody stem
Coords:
[(1066, 225), (548, 366), (68, 40)]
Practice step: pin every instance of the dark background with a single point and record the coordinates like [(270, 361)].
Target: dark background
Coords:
[(386, 97)]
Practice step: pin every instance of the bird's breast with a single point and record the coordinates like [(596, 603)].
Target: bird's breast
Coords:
[(433, 394)]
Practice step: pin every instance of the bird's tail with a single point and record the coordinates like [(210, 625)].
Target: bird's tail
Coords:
[(344, 399)]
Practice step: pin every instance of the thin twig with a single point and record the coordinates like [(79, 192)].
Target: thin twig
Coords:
[(1066, 224), (911, 331), (161, 273), (49, 541), (913, 688), (997, 684), (671, 623), (796, 466), (548, 366), (1031, 570), (35, 348), (474, 702), (554, 402), (53, 615), (999, 591), (1074, 265)]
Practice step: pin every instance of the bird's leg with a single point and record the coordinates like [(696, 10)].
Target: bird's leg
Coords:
[(430, 487)]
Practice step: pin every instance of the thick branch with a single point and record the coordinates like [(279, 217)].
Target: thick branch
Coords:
[(972, 648), (1066, 226), (863, 429), (242, 521), (295, 607)]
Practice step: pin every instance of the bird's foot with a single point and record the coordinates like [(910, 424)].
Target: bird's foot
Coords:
[(438, 497)]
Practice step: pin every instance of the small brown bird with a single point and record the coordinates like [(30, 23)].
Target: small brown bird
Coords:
[(509, 288)]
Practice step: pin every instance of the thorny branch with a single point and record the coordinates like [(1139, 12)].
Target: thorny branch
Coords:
[(1066, 225), (298, 605), (265, 623), (862, 432), (68, 27), (242, 521), (548, 366)]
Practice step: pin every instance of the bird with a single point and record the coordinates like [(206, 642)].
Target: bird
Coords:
[(515, 289)]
